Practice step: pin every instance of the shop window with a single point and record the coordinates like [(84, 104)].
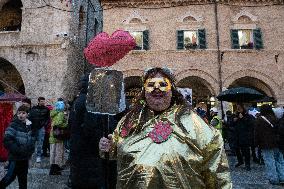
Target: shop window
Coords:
[(141, 39), (246, 39), (191, 39)]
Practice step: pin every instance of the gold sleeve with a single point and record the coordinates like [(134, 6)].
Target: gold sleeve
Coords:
[(216, 172)]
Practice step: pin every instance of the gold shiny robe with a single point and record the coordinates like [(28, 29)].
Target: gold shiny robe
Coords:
[(191, 160)]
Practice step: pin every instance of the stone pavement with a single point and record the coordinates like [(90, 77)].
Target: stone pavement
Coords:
[(38, 177)]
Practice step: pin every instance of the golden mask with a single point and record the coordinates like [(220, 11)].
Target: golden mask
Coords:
[(163, 84)]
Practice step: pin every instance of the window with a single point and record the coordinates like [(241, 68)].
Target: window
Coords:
[(141, 39), (187, 39), (190, 40), (11, 16), (246, 39)]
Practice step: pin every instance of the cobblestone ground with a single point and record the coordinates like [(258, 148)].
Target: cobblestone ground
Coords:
[(38, 177)]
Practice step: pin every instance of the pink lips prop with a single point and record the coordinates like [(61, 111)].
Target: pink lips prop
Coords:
[(105, 50)]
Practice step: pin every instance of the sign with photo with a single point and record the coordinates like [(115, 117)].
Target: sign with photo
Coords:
[(186, 93)]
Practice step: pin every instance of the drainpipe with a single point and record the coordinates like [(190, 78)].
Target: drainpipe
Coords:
[(86, 35), (218, 52)]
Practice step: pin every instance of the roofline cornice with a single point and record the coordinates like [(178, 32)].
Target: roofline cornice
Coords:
[(152, 4)]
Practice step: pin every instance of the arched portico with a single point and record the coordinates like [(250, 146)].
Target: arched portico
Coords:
[(253, 79), (202, 91), (11, 80), (208, 80), (132, 88)]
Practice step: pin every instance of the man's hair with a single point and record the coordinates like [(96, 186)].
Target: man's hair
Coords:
[(27, 100), (23, 108), (60, 99), (243, 107), (40, 98)]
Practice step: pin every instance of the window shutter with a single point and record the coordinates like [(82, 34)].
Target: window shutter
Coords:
[(146, 40), (202, 38), (235, 39), (257, 35), (180, 39)]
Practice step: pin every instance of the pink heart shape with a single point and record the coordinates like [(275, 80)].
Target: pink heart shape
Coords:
[(105, 50)]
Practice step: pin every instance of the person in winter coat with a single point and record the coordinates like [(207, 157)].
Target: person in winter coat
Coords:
[(39, 116), (266, 139), (216, 121), (87, 169), (281, 134), (19, 140), (243, 132), (230, 127), (56, 145)]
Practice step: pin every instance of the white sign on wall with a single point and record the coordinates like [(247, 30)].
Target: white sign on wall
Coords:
[(186, 93)]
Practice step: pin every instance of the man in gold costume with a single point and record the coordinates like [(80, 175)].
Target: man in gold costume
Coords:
[(162, 144)]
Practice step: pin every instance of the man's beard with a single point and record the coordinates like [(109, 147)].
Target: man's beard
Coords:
[(158, 101)]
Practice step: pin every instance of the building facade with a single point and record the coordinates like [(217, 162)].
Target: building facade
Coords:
[(210, 45), (41, 45)]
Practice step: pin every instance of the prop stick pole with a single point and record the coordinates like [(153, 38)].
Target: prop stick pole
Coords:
[(105, 98), (107, 155)]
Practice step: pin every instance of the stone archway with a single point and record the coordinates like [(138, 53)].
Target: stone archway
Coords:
[(253, 79), (133, 86), (201, 90), (254, 83), (11, 79), (208, 79)]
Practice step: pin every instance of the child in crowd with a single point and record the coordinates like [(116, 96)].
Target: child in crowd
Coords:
[(19, 140)]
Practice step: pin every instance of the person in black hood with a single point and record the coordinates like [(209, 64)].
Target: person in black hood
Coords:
[(87, 169), (19, 140)]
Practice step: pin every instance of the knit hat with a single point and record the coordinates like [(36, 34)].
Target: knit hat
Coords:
[(59, 105)]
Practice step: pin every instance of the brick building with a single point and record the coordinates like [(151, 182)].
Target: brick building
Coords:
[(210, 45), (41, 45)]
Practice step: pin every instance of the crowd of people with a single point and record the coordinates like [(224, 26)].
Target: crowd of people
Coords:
[(253, 134), (32, 131), (160, 142), (257, 135)]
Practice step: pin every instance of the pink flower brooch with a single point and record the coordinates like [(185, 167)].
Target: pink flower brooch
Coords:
[(161, 132)]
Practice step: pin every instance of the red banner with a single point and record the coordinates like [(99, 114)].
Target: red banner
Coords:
[(6, 115)]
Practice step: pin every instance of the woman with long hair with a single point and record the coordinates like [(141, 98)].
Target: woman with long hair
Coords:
[(161, 143)]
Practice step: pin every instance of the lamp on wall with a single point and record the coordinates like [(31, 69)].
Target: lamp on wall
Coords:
[(212, 101)]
